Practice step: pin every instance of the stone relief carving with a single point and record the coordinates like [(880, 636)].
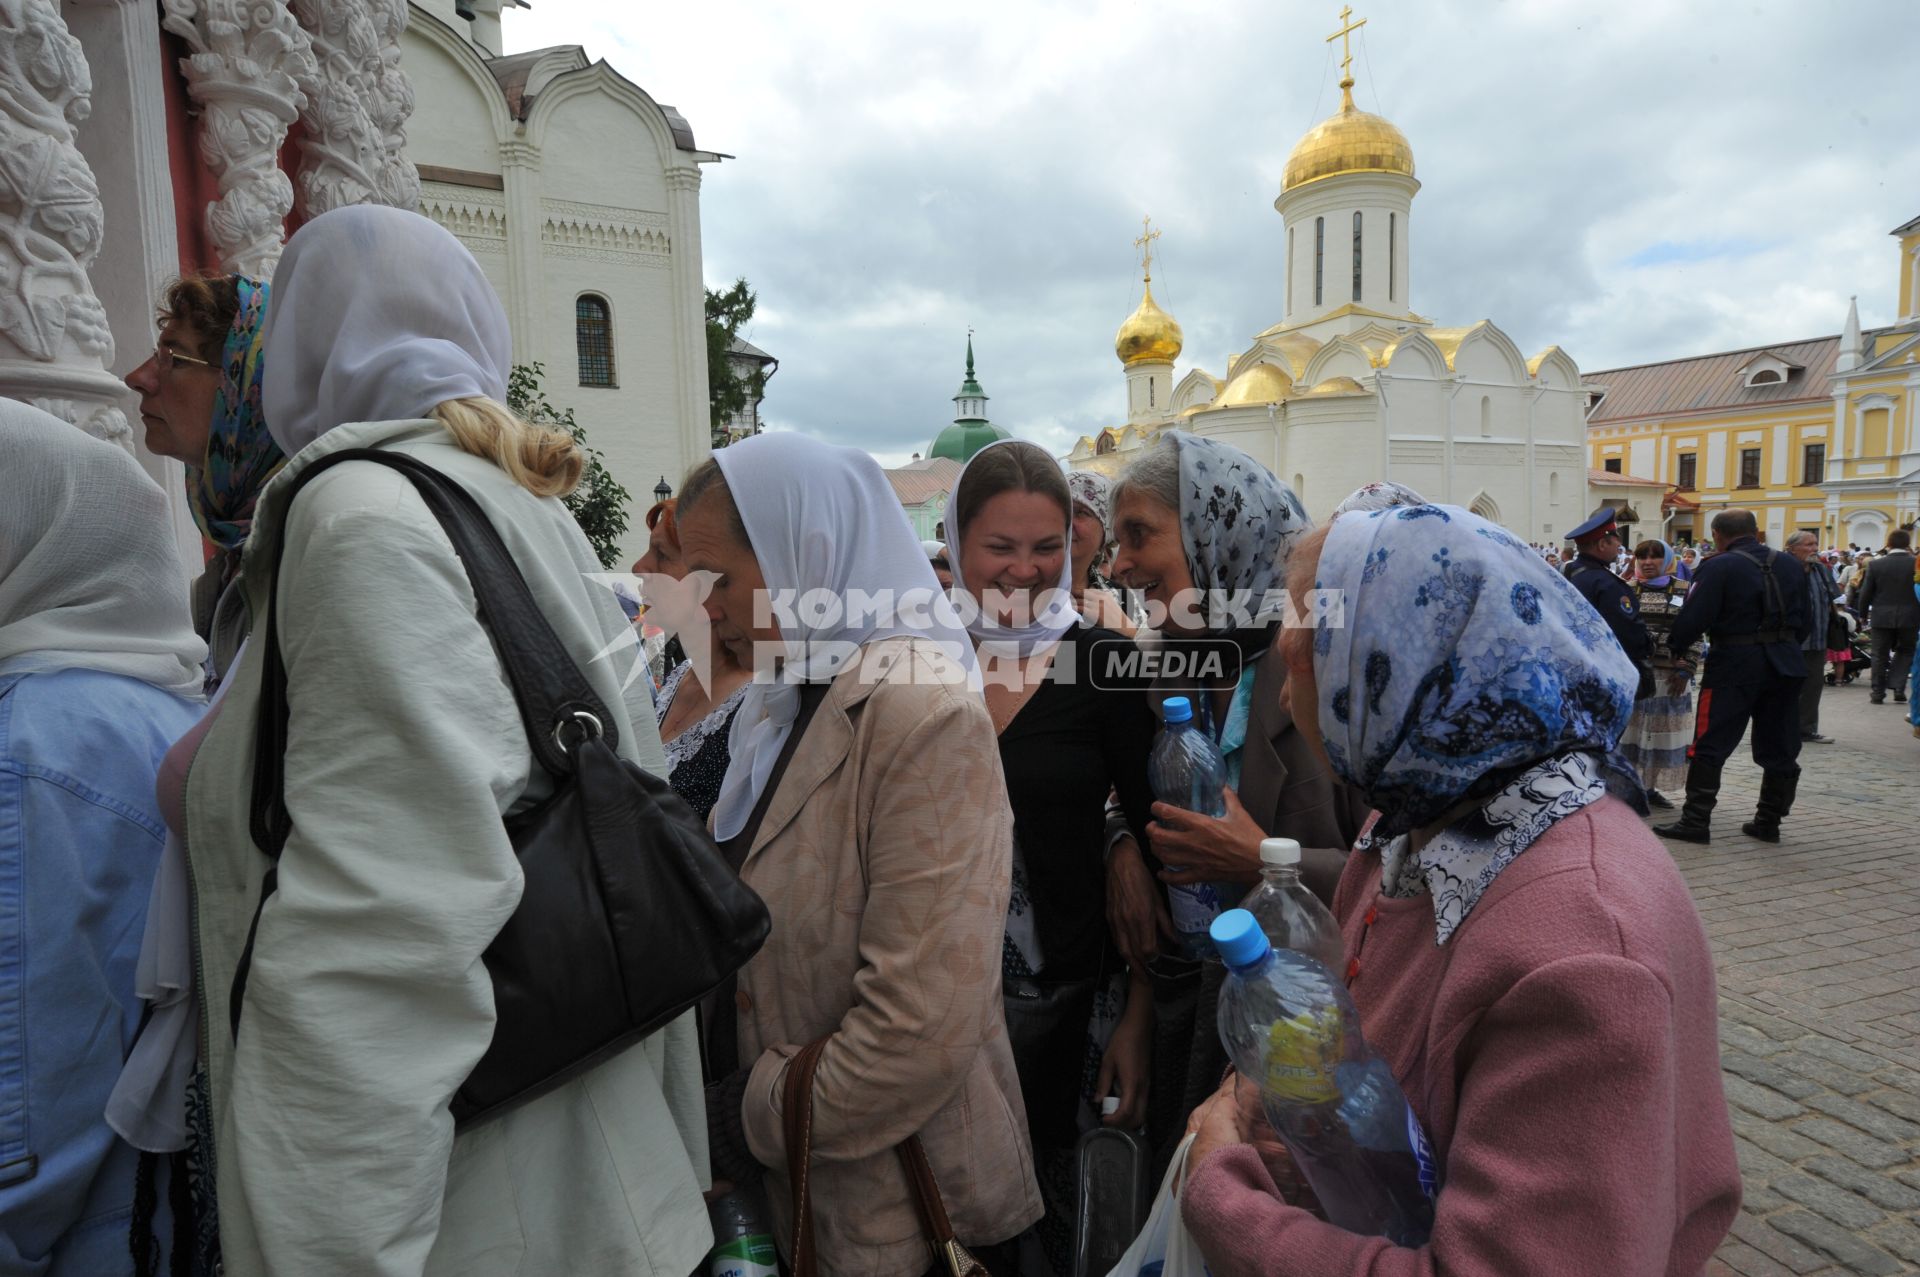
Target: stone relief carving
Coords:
[(248, 60), (54, 339), (358, 101)]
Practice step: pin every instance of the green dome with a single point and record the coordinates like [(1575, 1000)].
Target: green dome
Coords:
[(962, 439)]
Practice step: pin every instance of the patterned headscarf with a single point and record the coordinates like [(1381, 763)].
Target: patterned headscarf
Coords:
[(1239, 522), (241, 455), (1094, 491), (1383, 495), (1461, 661)]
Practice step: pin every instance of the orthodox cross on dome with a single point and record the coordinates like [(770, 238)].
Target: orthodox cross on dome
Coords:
[(1345, 36), (1145, 245)]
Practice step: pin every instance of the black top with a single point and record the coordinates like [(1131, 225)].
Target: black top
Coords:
[(697, 758), (1069, 744), (1615, 603), (1729, 604)]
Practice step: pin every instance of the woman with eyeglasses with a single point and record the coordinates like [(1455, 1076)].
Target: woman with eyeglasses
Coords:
[(1661, 728), (200, 405)]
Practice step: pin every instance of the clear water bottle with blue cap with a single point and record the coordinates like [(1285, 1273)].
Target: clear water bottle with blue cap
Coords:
[(1290, 1026), (1291, 916), (1187, 771)]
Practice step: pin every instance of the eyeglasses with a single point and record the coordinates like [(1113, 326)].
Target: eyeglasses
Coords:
[(165, 357)]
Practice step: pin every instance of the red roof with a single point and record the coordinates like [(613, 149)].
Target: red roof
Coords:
[(1707, 383)]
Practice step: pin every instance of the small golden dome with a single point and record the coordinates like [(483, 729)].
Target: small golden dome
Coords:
[(1350, 141), (1260, 384), (1149, 334), (1338, 386)]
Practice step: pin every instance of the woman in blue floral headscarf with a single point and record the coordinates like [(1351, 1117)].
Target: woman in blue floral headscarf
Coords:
[(1520, 947), (200, 404)]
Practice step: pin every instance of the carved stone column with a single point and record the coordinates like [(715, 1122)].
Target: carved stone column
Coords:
[(526, 296), (55, 344), (249, 58), (357, 104)]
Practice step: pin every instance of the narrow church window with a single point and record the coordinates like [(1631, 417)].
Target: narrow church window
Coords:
[(593, 335), (1319, 255), (1393, 250), (1486, 415), (1553, 488), (1289, 270), (1356, 256), (1149, 392)]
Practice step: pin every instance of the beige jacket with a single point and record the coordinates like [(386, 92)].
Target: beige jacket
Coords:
[(886, 857), (368, 1002)]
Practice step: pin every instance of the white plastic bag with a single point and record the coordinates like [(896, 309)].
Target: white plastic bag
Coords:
[(1164, 1248)]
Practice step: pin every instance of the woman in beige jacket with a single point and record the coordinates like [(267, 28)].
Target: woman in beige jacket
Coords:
[(883, 851)]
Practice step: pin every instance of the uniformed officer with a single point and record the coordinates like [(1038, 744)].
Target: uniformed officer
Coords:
[(1591, 572), (1751, 603)]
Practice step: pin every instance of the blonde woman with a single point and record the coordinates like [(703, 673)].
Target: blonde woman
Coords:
[(367, 1001)]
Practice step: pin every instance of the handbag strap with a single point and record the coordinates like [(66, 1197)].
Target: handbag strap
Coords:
[(797, 1120), (549, 690), (548, 687)]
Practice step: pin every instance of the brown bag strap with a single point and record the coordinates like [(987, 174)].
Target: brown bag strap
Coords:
[(797, 1121)]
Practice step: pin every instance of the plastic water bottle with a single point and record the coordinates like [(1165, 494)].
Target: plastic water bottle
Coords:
[(1291, 916), (742, 1238), (1289, 1024), (1186, 771)]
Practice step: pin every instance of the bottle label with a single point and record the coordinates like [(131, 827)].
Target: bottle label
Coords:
[(1303, 1053), (1194, 907), (750, 1256), (1429, 1170)]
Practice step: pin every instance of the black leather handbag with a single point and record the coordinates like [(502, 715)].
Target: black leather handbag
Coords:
[(629, 914)]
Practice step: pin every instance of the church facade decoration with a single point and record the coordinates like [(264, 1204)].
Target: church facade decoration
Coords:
[(1351, 385)]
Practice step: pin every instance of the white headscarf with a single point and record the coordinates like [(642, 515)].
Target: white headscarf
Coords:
[(378, 315), (88, 577), (822, 518), (1057, 613)]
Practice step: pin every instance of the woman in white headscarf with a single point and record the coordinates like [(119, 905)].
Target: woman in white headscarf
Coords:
[(367, 1002), (99, 672), (882, 849), (1071, 712), (1092, 544)]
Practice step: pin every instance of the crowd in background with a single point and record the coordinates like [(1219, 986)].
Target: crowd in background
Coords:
[(950, 824)]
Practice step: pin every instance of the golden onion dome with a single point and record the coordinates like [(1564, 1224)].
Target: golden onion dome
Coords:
[(1260, 384), (1350, 141), (1338, 386), (1149, 334)]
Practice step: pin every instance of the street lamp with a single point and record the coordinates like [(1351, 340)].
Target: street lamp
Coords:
[(661, 490)]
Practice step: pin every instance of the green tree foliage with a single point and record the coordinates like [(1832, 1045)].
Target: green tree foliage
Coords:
[(728, 391), (599, 504)]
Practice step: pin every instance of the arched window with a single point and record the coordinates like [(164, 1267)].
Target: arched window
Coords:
[(1289, 270), (1393, 250), (1553, 488), (1486, 415), (1103, 445), (593, 334), (1356, 256), (1300, 487)]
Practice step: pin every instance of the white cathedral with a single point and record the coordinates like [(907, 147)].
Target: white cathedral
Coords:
[(1352, 385)]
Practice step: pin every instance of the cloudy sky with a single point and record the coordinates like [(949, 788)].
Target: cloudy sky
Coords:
[(1632, 179)]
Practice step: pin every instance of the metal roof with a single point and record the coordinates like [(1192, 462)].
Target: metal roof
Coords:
[(921, 481), (1707, 383)]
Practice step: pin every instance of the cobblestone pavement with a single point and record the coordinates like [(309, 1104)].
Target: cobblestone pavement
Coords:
[(1817, 945)]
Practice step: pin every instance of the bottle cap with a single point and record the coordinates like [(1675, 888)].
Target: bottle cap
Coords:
[(1110, 1106), (1178, 709), (1279, 851), (1237, 935)]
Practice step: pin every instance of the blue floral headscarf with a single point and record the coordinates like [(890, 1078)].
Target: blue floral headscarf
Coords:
[(1460, 660), (1238, 521), (241, 455)]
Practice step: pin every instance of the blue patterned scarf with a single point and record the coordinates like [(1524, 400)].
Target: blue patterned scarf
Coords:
[(1459, 661), (241, 455)]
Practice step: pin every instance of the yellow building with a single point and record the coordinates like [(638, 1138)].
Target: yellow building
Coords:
[(1821, 434)]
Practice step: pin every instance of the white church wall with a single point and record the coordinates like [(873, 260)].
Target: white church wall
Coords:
[(597, 149), (453, 124)]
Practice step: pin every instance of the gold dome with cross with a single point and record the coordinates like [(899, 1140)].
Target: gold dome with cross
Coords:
[(1351, 140), (1149, 333)]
